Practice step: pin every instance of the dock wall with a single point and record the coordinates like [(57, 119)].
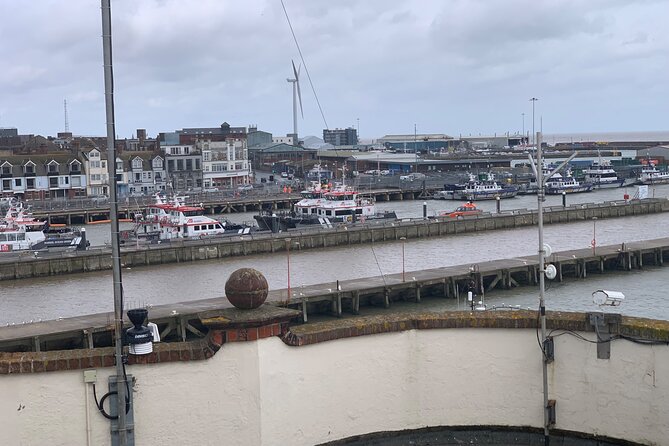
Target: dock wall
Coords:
[(45, 264), (324, 382)]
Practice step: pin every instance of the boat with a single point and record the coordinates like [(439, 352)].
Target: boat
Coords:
[(476, 189), (567, 184), (558, 184), (18, 238), (466, 210), (21, 231), (602, 176), (340, 205), (651, 175), (170, 219)]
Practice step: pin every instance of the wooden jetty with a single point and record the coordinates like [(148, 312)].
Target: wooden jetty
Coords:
[(180, 321)]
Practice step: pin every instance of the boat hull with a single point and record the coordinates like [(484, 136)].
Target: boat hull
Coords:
[(569, 189), (462, 195)]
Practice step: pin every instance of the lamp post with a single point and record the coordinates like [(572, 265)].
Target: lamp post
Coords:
[(415, 149), (533, 100), (523, 114), (403, 271), (594, 235)]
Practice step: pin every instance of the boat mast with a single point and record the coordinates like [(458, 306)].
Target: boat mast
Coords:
[(113, 208)]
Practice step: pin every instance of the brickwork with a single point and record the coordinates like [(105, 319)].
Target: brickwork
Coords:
[(297, 335)]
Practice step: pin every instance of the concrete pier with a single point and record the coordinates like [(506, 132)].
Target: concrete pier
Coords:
[(27, 265), (348, 296)]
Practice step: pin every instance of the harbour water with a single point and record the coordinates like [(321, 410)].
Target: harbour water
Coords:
[(79, 294)]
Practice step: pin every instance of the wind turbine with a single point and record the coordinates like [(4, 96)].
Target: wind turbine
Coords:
[(297, 95)]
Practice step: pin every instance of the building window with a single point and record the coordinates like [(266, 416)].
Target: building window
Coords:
[(53, 168), (6, 185), (76, 181), (53, 182), (197, 164), (6, 169), (18, 182), (95, 164), (170, 165), (29, 168), (30, 183), (75, 167), (137, 163), (180, 164), (189, 164)]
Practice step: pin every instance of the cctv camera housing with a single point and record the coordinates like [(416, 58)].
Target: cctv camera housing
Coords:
[(609, 298)]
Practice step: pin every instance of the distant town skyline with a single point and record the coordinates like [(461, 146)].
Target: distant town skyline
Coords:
[(454, 67)]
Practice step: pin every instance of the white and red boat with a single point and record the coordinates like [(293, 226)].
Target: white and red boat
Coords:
[(172, 219), (20, 231)]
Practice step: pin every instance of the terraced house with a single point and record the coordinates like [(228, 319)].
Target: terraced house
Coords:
[(39, 176)]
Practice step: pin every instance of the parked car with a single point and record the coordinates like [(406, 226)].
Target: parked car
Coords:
[(465, 210), (245, 187)]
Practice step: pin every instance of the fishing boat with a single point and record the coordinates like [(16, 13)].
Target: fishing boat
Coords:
[(476, 189), (651, 175)]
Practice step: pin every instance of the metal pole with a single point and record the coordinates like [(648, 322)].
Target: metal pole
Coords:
[(523, 127), (533, 138), (295, 111), (403, 239), (415, 149), (288, 263), (594, 235), (113, 207), (542, 283)]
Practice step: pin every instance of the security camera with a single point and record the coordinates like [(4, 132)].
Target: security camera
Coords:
[(609, 298)]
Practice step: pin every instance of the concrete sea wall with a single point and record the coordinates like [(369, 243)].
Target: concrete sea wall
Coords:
[(316, 383), (28, 266)]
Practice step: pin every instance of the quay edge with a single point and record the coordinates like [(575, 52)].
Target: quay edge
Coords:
[(97, 259)]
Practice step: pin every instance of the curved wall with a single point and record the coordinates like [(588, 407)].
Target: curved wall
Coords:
[(267, 393)]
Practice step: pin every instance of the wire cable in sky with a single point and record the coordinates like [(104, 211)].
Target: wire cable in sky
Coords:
[(305, 64)]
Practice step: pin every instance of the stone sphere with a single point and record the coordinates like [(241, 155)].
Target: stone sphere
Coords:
[(246, 288)]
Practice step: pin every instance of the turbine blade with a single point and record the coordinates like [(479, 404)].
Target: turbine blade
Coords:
[(294, 69), (299, 96)]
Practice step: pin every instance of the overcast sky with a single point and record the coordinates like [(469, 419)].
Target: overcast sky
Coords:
[(448, 66)]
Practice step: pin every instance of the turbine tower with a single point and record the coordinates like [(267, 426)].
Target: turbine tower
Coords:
[(297, 96)]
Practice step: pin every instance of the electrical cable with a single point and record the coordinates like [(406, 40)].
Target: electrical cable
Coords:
[(305, 64), (100, 404)]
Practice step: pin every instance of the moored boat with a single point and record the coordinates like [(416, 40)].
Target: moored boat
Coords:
[(171, 219), (341, 205), (651, 175), (602, 176), (476, 189), (466, 210)]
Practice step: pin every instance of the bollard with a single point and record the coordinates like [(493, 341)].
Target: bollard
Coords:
[(499, 204), (424, 209), (564, 199)]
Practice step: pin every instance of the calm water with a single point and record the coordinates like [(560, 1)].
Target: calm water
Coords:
[(71, 295)]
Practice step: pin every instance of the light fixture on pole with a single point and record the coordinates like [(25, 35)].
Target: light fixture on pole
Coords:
[(533, 100)]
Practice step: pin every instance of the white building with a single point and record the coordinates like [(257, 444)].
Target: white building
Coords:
[(98, 175), (225, 164)]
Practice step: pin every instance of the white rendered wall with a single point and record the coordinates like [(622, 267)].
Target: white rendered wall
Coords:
[(266, 393)]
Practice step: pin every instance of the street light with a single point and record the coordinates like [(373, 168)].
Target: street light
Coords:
[(533, 135), (403, 271)]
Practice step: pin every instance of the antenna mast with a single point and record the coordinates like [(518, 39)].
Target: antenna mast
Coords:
[(67, 121)]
